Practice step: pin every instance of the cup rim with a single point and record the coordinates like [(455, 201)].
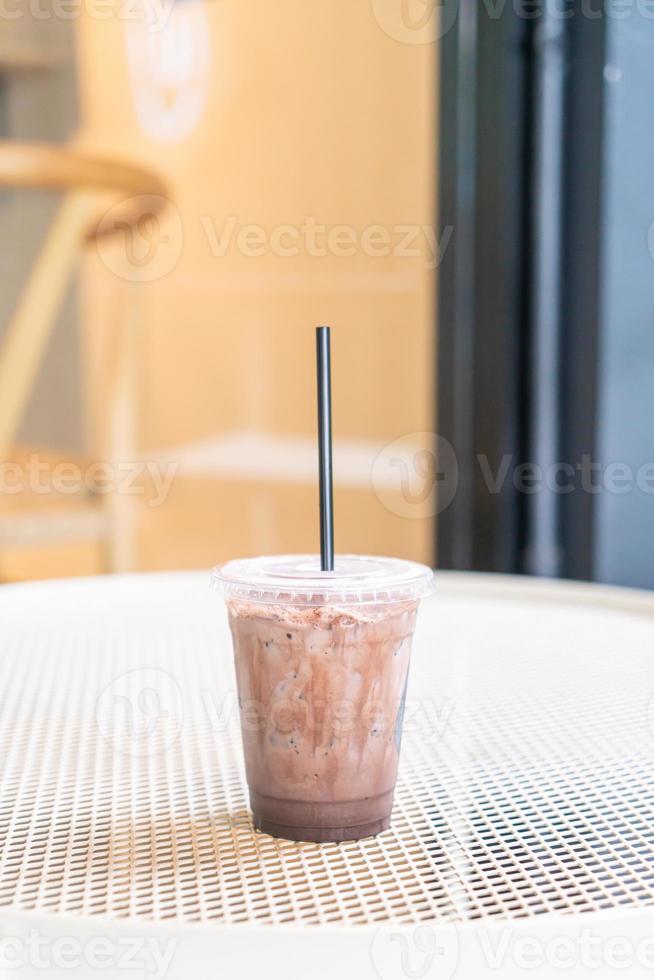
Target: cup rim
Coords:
[(356, 580)]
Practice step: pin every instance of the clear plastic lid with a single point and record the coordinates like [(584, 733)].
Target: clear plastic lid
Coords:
[(356, 579)]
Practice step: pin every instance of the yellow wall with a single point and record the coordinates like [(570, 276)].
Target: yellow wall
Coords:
[(303, 110)]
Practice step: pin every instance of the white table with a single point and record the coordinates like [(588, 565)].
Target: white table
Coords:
[(526, 794)]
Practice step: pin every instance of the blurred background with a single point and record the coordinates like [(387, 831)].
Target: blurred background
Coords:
[(461, 189), (181, 349)]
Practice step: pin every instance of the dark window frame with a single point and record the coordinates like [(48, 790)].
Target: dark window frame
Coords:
[(521, 231)]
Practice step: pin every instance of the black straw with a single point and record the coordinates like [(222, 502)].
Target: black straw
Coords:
[(323, 358)]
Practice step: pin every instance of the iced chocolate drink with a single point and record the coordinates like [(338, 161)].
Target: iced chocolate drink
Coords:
[(322, 662)]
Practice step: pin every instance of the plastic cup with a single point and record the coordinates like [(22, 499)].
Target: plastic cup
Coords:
[(322, 662)]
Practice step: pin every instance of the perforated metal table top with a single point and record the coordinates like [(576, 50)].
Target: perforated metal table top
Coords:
[(526, 783)]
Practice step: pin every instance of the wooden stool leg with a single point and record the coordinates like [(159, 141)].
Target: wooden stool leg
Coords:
[(121, 406), (33, 321)]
